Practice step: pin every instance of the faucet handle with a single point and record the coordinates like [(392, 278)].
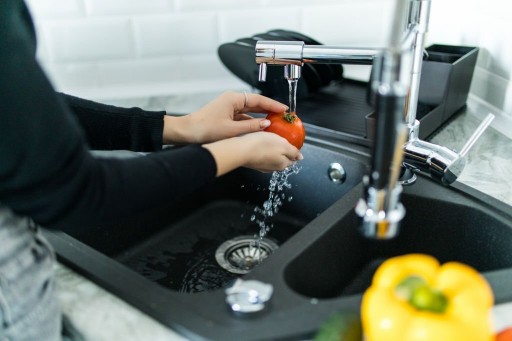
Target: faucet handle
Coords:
[(262, 72), (476, 135), (442, 163)]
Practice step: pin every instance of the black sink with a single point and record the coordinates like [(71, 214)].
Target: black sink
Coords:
[(322, 265), (445, 225), (175, 246)]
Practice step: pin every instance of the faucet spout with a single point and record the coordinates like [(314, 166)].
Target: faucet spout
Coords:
[(395, 84), (379, 208)]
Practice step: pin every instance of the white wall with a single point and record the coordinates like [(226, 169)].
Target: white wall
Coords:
[(136, 48)]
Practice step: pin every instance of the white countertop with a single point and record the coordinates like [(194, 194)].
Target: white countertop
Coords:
[(99, 315)]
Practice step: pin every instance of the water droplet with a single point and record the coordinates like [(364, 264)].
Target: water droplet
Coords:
[(276, 197)]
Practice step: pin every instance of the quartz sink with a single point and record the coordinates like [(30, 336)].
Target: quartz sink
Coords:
[(322, 265)]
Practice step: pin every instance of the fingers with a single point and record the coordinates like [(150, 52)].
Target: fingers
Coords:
[(249, 125), (293, 154), (257, 103), (249, 102)]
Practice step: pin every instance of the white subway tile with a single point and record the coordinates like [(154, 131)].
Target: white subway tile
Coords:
[(447, 28), (176, 34), (174, 41), (55, 9), (66, 75), (496, 37), (89, 39), (217, 5), (498, 9), (123, 7), (490, 87), (202, 67), (246, 23), (361, 24), (292, 3), (139, 71)]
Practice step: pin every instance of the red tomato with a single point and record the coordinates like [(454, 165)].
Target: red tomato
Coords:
[(504, 335), (289, 126)]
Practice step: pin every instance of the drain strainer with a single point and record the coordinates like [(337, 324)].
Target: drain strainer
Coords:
[(240, 255)]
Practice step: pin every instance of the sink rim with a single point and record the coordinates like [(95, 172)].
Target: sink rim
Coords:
[(196, 322)]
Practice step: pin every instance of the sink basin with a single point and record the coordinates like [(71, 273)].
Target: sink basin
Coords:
[(175, 246), (322, 264), (445, 225)]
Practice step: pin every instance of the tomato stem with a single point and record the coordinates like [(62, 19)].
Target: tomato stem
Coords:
[(290, 117)]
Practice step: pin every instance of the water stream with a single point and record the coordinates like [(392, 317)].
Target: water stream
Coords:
[(292, 94), (278, 184)]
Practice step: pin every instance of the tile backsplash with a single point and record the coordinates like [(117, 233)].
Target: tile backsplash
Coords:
[(107, 49)]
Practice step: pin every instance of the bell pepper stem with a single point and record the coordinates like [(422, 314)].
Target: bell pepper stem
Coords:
[(421, 296)]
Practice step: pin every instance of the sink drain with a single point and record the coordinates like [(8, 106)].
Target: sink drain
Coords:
[(240, 255)]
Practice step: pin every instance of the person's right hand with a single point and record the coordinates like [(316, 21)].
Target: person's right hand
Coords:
[(262, 151), (224, 117)]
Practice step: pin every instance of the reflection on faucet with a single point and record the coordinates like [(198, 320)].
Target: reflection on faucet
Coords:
[(443, 164), (380, 209), (395, 87)]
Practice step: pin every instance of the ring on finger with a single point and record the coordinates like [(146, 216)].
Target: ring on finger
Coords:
[(245, 99)]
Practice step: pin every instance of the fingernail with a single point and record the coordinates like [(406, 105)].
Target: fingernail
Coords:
[(301, 157), (264, 124)]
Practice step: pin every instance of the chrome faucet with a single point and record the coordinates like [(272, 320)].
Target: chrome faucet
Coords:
[(395, 88), (380, 209)]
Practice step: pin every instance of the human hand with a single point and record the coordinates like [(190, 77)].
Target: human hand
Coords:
[(222, 118), (262, 151)]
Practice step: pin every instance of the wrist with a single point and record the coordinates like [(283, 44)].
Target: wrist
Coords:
[(228, 154), (174, 131)]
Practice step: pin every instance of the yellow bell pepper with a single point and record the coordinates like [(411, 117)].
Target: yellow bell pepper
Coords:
[(413, 298)]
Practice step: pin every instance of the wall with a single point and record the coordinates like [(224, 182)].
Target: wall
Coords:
[(105, 49)]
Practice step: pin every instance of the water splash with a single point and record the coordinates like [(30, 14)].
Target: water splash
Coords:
[(276, 197)]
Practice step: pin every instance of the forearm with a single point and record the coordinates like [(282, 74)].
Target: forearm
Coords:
[(46, 170), (109, 127)]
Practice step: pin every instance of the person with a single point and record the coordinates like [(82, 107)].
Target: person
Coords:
[(49, 177)]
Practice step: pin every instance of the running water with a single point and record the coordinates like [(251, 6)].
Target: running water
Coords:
[(292, 94), (276, 197), (278, 184)]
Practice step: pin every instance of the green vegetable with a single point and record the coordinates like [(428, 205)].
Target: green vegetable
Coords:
[(341, 326)]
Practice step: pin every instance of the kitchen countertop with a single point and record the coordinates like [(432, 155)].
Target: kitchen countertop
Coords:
[(100, 315)]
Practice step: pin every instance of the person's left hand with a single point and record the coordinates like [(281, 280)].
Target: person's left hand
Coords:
[(222, 118)]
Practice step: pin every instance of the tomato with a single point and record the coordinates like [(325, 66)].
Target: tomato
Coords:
[(504, 335), (289, 126)]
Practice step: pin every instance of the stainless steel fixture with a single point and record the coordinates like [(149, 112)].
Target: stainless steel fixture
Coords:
[(241, 254), (337, 173), (380, 209), (395, 88), (443, 164), (248, 297)]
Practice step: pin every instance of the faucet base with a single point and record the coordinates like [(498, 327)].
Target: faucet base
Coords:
[(408, 177)]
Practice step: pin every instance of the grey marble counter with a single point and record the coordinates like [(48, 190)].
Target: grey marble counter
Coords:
[(99, 315)]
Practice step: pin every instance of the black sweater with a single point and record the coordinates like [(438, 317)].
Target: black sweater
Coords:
[(46, 170)]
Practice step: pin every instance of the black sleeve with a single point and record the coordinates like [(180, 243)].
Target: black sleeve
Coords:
[(109, 127), (46, 170)]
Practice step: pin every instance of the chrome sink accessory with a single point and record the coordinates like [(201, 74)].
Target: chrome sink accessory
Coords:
[(397, 70), (241, 254), (247, 297), (443, 164), (440, 162), (337, 173)]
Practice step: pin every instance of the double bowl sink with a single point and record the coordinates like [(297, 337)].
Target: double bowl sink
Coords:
[(164, 262)]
